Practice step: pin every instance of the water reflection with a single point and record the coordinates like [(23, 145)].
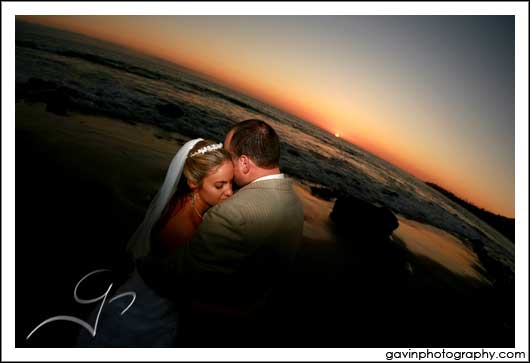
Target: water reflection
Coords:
[(316, 215), (439, 246)]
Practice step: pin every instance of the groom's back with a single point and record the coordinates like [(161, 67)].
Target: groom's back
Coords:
[(246, 244)]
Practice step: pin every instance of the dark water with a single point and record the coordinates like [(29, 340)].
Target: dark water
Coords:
[(73, 73)]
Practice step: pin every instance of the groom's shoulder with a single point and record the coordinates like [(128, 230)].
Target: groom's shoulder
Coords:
[(254, 198), (237, 203), (231, 210), (241, 205)]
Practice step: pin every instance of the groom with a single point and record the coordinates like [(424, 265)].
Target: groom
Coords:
[(244, 246)]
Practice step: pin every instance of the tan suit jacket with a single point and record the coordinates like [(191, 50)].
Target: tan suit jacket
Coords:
[(242, 249)]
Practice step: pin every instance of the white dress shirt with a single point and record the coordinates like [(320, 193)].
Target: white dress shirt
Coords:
[(269, 177)]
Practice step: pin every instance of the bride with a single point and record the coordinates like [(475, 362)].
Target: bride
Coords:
[(171, 219)]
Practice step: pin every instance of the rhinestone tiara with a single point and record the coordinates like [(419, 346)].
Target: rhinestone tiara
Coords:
[(206, 149)]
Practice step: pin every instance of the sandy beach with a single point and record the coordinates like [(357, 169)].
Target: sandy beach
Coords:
[(83, 183), (95, 178)]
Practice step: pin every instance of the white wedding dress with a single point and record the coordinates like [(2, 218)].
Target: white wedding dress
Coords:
[(151, 321)]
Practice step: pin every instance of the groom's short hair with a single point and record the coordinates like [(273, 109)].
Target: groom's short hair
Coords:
[(257, 140)]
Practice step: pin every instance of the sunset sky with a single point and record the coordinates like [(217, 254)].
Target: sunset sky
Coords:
[(432, 94)]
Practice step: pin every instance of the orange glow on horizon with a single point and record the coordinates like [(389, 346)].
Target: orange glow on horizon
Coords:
[(314, 107)]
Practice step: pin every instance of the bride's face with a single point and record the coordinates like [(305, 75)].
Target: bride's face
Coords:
[(217, 185)]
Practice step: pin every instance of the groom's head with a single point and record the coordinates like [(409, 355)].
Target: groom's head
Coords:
[(255, 150)]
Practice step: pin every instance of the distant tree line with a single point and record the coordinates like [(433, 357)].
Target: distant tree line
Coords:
[(504, 225)]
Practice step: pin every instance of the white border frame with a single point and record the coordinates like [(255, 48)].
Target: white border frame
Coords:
[(9, 10)]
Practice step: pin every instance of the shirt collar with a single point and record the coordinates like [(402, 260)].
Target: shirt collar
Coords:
[(269, 177)]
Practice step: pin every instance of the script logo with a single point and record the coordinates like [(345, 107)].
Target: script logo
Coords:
[(84, 324)]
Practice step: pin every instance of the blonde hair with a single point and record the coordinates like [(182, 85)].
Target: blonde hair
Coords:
[(199, 165), (196, 168)]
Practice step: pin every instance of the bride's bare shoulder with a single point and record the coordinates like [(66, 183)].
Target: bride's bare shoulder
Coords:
[(180, 227)]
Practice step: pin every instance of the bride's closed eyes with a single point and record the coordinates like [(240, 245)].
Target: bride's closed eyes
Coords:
[(217, 186)]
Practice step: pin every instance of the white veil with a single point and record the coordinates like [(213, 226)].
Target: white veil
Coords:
[(140, 242)]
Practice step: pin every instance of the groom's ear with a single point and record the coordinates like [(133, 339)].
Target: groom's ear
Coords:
[(244, 163)]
